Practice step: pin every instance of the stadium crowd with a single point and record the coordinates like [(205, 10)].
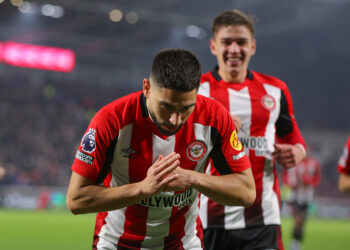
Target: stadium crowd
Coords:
[(41, 124)]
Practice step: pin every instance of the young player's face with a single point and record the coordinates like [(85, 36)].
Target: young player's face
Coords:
[(168, 108), (233, 46)]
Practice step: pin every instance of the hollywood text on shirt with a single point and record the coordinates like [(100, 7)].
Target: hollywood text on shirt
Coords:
[(257, 143), (166, 200)]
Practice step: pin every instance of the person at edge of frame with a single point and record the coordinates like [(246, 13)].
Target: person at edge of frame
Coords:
[(344, 168), (302, 179)]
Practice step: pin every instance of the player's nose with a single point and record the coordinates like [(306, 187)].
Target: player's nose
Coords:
[(234, 47), (175, 119)]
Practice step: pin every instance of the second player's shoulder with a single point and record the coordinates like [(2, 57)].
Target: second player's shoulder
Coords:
[(207, 109), (267, 79), (208, 81), (207, 77)]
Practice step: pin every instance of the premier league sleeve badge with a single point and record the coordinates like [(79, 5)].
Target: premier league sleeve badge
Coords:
[(88, 143)]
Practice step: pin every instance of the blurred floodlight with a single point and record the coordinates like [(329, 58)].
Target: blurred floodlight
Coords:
[(16, 2), (1, 1), (50, 10), (193, 31), (47, 9), (196, 32), (25, 8), (132, 17), (116, 15), (59, 12)]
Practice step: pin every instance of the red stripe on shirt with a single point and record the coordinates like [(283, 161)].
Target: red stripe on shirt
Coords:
[(176, 231), (199, 228)]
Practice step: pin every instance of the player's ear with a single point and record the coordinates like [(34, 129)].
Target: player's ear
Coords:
[(146, 87), (212, 46), (253, 47)]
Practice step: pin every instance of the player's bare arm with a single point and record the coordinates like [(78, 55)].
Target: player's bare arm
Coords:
[(84, 196), (344, 183), (237, 189), (289, 155)]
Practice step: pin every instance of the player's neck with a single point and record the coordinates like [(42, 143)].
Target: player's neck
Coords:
[(148, 111), (233, 77)]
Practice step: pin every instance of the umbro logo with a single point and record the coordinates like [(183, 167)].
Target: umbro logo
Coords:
[(128, 152)]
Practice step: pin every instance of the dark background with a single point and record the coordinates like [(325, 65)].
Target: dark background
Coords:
[(44, 114)]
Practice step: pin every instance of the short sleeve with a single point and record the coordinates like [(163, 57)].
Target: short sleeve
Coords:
[(90, 157), (228, 154)]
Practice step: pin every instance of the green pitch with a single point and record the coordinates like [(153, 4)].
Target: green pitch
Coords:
[(57, 230), (50, 230)]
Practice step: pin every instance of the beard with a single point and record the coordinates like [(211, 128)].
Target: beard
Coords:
[(159, 125)]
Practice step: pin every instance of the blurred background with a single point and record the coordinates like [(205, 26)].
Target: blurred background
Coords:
[(62, 60)]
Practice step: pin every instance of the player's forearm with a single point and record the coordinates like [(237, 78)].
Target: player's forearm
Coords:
[(94, 198), (344, 183), (236, 189), (300, 153)]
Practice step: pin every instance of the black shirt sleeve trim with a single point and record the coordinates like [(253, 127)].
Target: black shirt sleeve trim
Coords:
[(219, 160), (107, 165), (284, 124)]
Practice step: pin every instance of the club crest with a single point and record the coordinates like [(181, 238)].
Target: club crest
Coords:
[(196, 150), (268, 102)]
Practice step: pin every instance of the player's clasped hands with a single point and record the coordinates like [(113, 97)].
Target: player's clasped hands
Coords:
[(161, 173)]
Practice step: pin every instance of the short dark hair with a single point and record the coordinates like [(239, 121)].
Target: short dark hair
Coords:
[(232, 17), (176, 69)]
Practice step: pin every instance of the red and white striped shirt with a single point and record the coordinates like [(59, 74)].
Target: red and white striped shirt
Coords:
[(264, 105), (119, 146), (344, 160)]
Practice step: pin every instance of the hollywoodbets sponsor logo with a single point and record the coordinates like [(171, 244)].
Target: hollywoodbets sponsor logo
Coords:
[(167, 201), (259, 144), (84, 157)]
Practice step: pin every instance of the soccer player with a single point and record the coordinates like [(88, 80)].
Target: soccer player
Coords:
[(344, 169), (263, 106), (150, 149), (301, 179)]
